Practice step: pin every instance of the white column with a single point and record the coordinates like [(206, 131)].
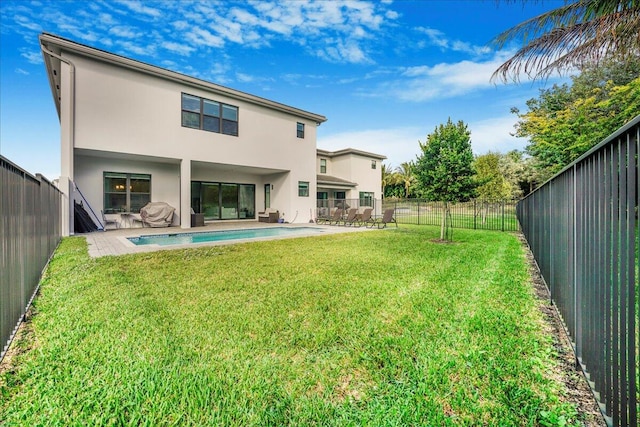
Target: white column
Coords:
[(185, 193), (66, 148)]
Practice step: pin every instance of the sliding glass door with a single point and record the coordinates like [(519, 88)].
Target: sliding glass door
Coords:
[(229, 199), (223, 200)]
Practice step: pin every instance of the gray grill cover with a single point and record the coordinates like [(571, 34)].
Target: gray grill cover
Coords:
[(157, 214)]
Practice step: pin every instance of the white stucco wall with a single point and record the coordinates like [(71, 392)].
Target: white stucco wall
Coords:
[(120, 110)]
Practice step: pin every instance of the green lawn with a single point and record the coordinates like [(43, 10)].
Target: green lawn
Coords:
[(376, 328)]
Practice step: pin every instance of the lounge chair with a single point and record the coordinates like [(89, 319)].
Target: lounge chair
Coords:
[(269, 215), (351, 217), (108, 221), (336, 218), (385, 219), (324, 214), (364, 218)]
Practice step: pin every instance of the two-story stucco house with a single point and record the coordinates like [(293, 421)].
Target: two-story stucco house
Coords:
[(350, 175), (132, 133)]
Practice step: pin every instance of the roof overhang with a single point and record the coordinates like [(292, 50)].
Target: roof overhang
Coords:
[(347, 151), (59, 45), (328, 181)]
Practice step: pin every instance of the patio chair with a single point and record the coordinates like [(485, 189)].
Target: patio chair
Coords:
[(386, 218), (336, 217), (135, 219), (364, 218), (269, 215), (324, 214), (351, 217), (108, 221)]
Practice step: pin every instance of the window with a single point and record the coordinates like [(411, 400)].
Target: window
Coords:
[(373, 164), (212, 116), (303, 189), (126, 192), (323, 165), (366, 198), (300, 129)]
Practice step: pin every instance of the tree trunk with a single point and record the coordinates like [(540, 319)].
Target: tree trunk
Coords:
[(443, 224)]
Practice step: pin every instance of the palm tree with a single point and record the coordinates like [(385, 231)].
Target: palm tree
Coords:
[(387, 177), (406, 176), (578, 33)]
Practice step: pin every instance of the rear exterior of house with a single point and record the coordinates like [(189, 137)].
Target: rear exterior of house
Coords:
[(349, 176), (132, 133)]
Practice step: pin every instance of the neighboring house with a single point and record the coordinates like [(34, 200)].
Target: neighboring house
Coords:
[(351, 175), (132, 133)]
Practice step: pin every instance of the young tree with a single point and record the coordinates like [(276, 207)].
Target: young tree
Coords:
[(492, 184), (579, 32), (445, 167), (522, 172)]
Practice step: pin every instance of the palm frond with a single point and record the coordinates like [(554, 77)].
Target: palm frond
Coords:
[(584, 32)]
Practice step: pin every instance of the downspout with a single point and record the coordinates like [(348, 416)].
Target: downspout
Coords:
[(72, 134)]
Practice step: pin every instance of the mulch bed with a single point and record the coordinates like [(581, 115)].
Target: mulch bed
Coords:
[(578, 391)]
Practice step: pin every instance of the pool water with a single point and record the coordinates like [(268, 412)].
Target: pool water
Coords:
[(215, 236)]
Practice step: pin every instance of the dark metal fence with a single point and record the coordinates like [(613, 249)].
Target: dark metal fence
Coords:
[(30, 230), (582, 228), (475, 214)]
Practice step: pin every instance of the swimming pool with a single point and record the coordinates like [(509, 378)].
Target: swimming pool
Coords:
[(215, 236)]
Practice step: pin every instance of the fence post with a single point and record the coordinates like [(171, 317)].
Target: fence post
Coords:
[(418, 202), (474, 214), (503, 215)]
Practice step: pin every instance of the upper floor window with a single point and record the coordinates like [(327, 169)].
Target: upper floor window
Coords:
[(300, 129), (126, 192), (303, 189), (373, 164), (212, 116), (323, 165)]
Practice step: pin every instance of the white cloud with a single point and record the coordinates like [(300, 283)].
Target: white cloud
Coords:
[(139, 7), (444, 80), (200, 36), (180, 49), (32, 57), (494, 134), (21, 71), (149, 50), (27, 23), (439, 39), (125, 31)]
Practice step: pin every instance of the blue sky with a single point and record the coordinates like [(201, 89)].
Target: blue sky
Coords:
[(384, 73)]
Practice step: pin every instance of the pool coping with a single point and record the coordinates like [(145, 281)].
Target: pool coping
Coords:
[(115, 242)]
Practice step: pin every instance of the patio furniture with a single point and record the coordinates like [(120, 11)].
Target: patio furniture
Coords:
[(135, 219), (364, 218), (269, 215), (157, 214), (351, 217), (197, 219), (108, 221), (386, 218), (336, 217)]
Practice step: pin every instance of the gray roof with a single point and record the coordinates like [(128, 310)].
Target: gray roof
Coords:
[(347, 151), (334, 180)]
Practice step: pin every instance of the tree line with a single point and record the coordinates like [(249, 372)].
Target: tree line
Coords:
[(561, 124)]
